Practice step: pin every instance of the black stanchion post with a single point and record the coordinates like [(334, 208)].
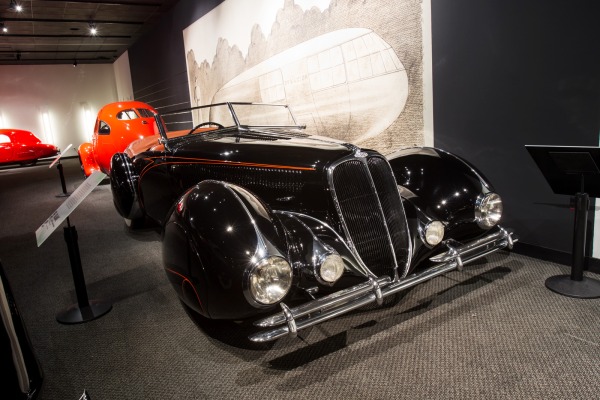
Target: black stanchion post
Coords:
[(573, 171), (64, 193), (83, 311), (575, 284), (582, 205), (73, 247)]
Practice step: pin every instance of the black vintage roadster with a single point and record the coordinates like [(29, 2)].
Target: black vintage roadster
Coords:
[(263, 222)]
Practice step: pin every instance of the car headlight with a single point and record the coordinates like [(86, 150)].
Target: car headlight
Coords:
[(331, 268), (433, 233), (270, 280), (488, 210)]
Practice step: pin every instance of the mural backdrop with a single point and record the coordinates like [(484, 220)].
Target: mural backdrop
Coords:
[(349, 69)]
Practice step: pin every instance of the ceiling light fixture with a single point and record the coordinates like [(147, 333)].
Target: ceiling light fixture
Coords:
[(14, 6), (3, 28), (93, 29), (75, 63)]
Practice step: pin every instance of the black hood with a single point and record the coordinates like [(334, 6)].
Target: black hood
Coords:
[(269, 148)]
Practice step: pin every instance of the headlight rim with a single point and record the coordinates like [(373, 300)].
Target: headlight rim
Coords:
[(428, 226), (250, 289), (320, 264), (481, 217)]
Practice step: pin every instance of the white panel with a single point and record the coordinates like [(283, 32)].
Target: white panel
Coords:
[(123, 78), (428, 127)]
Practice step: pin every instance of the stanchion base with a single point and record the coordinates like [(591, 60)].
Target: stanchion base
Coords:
[(63, 195), (587, 288), (76, 315)]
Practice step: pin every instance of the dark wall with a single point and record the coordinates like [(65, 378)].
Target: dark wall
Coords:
[(157, 61), (505, 74), (510, 73)]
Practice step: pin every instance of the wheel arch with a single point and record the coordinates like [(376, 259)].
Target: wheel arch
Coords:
[(214, 235)]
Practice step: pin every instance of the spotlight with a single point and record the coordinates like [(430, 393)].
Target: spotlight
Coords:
[(93, 29), (74, 63), (3, 28), (14, 6)]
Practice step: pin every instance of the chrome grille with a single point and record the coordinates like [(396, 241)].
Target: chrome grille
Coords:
[(371, 212)]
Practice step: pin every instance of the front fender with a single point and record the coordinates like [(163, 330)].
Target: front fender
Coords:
[(214, 235), (123, 184), (440, 184), (87, 160)]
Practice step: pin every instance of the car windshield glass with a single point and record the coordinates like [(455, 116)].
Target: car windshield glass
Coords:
[(218, 113), (224, 116), (263, 115), (127, 114)]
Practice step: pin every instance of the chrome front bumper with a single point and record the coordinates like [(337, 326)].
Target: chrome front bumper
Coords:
[(290, 320)]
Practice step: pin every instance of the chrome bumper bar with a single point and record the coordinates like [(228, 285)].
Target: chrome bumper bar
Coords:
[(290, 320)]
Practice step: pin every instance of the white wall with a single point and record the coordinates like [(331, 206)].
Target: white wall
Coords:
[(62, 93), (123, 78)]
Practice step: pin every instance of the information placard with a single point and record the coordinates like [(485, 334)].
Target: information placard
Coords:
[(68, 206), (62, 153)]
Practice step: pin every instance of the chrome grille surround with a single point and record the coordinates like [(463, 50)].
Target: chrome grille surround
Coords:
[(370, 209)]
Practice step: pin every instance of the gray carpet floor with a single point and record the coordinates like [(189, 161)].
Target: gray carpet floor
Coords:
[(493, 331)]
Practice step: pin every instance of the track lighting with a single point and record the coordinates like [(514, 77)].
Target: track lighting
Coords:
[(14, 6), (93, 29), (74, 63), (3, 28)]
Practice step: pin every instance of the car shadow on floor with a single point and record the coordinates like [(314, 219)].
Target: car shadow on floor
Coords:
[(384, 320), (321, 340)]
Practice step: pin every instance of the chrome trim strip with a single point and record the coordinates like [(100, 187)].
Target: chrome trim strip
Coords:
[(262, 251), (355, 297), (299, 216), (455, 248), (362, 156), (289, 318), (339, 210), (335, 299)]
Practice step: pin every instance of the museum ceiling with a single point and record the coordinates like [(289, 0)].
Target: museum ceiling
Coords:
[(60, 32)]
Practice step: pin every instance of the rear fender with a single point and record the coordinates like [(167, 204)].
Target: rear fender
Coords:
[(214, 235)]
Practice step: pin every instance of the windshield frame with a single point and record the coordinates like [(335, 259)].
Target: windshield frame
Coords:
[(237, 125)]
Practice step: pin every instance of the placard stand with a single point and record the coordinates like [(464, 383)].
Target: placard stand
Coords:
[(60, 171), (572, 171), (84, 310), (64, 193)]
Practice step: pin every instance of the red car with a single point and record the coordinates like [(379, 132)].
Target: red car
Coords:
[(117, 125), (23, 147)]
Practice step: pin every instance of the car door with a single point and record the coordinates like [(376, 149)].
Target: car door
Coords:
[(6, 148)]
